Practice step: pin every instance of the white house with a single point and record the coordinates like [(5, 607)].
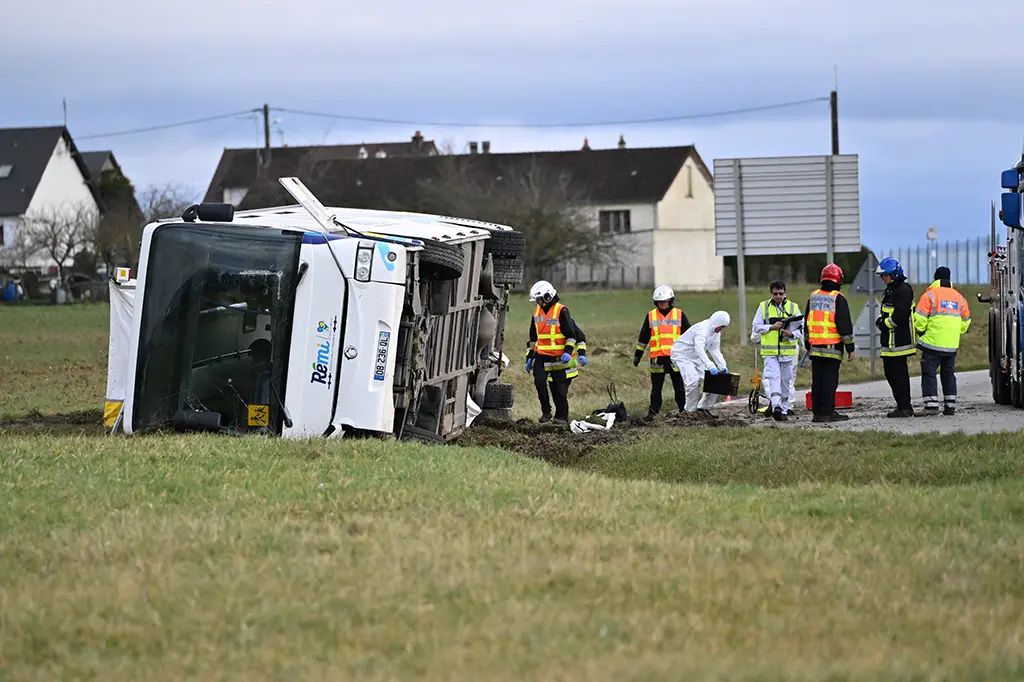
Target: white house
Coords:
[(42, 174), (659, 199)]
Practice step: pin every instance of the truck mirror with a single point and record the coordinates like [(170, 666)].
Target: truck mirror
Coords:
[(1010, 179), (1010, 213)]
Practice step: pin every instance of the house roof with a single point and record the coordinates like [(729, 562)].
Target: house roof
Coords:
[(28, 151), (630, 175), (240, 167), (96, 160)]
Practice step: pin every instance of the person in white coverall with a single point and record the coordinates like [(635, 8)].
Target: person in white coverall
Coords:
[(698, 350)]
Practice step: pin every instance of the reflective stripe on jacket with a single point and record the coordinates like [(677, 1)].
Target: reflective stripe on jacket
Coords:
[(941, 316), (773, 343)]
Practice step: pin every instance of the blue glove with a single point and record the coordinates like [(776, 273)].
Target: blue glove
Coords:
[(713, 371), (583, 361), (725, 370), (529, 365), (566, 357)]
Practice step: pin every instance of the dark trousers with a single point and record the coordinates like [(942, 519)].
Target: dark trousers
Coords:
[(824, 384), (658, 385), (559, 388), (931, 363), (898, 375)]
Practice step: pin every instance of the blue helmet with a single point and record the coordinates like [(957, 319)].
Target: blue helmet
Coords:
[(889, 266)]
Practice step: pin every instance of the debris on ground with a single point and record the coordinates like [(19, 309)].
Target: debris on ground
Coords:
[(557, 444)]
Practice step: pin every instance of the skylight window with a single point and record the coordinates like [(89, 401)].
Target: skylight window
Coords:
[(5, 171)]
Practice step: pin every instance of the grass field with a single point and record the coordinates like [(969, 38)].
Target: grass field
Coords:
[(722, 553)]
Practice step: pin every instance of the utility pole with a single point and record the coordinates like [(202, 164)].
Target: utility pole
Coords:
[(266, 135), (833, 105), (65, 112)]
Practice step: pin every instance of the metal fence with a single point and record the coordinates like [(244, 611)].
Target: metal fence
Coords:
[(967, 260), (570, 276)]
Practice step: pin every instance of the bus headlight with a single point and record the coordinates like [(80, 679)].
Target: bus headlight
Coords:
[(364, 259)]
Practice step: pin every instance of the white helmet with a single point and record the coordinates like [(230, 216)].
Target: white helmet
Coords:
[(664, 293), (542, 291)]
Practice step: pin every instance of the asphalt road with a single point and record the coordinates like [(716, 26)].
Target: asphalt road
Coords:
[(976, 412)]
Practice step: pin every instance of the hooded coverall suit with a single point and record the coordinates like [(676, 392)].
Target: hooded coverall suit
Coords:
[(700, 349)]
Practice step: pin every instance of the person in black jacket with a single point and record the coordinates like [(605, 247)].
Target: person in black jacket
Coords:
[(549, 351), (897, 334), (828, 333)]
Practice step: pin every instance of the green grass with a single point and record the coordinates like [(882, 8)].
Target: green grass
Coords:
[(671, 553)]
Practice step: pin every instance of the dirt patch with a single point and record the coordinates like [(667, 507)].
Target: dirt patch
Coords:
[(558, 445), (82, 422)]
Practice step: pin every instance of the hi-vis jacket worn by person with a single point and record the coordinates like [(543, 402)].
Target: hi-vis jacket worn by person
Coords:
[(941, 316), (827, 323), (552, 333), (660, 330), (772, 342), (897, 337)]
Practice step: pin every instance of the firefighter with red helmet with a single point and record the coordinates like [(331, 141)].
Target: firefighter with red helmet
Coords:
[(829, 333)]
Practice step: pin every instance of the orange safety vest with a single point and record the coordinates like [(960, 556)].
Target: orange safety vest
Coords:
[(550, 339), (821, 319), (664, 330)]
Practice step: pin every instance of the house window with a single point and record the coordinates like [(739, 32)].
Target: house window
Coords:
[(234, 195), (614, 222), (5, 171)]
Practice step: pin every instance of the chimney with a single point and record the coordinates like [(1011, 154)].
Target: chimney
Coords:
[(417, 142), (486, 144), (622, 142), (472, 147), (586, 144)]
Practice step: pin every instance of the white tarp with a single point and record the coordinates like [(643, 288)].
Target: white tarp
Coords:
[(122, 306)]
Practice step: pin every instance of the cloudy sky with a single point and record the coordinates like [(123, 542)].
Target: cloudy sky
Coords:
[(930, 94)]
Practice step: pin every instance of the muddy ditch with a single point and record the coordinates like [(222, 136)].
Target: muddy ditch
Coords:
[(82, 422), (558, 445)]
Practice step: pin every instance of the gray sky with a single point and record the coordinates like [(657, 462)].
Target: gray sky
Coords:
[(930, 94)]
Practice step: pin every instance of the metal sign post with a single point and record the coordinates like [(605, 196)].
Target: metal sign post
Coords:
[(865, 333), (789, 205)]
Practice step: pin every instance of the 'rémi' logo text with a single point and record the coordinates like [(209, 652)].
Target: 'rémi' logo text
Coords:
[(322, 364)]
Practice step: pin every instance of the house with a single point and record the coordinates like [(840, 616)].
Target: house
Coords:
[(659, 200), (238, 169), (41, 170)]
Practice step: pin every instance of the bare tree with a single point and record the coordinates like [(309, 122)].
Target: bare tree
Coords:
[(59, 232), (267, 191), (165, 201), (543, 202)]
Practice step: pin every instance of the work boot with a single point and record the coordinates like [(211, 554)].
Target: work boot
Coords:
[(558, 421), (544, 418), (928, 412), (948, 411), (778, 414), (901, 413), (649, 417), (790, 414)]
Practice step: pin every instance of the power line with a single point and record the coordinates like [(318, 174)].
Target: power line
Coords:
[(170, 125), (591, 124), (460, 124)]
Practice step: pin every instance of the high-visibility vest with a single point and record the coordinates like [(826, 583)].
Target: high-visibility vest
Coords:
[(773, 343), (664, 330), (822, 333), (944, 315), (550, 339)]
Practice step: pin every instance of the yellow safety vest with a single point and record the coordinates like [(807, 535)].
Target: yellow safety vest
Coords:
[(773, 343), (940, 317)]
